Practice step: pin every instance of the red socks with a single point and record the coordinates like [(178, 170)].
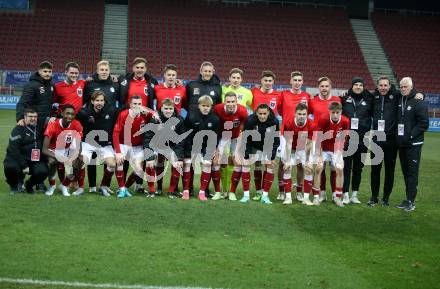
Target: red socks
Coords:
[(107, 178), (216, 180), (204, 181), (120, 177), (235, 180), (246, 180), (174, 181), (268, 179)]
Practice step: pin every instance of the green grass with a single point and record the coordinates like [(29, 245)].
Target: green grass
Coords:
[(223, 244)]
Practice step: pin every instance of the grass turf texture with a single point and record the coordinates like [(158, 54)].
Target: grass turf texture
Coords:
[(222, 244)]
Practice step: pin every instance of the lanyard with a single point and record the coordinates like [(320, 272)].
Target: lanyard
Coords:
[(34, 132), (404, 105), (355, 105), (381, 111)]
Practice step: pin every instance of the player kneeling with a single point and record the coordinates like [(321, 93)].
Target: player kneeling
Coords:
[(298, 134), (170, 134), (98, 120), (261, 150), (335, 128), (61, 145)]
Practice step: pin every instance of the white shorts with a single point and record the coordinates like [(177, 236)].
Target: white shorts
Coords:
[(332, 158), (129, 152), (298, 157), (101, 152), (281, 151), (227, 146)]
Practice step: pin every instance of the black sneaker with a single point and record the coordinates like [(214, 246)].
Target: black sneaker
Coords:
[(402, 205), (28, 187), (140, 191), (410, 206), (41, 187), (385, 203), (372, 202)]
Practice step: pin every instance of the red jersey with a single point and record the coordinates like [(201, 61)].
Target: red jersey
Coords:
[(61, 137), (238, 118), (140, 88), (319, 106), (271, 98), (65, 93), (288, 102), (302, 132), (177, 94), (338, 130), (126, 130)]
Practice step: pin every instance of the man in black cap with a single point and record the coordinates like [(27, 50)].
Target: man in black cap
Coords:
[(357, 105)]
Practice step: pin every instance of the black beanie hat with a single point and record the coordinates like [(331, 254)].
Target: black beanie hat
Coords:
[(356, 80)]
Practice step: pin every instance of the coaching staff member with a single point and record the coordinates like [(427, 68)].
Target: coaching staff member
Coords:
[(412, 122), (23, 155)]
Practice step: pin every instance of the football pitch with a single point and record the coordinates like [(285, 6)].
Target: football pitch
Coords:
[(96, 242)]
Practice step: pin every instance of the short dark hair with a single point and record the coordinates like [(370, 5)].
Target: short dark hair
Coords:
[(170, 67), (71, 64), (29, 110), (45, 65), (167, 101), (296, 73), (383, 77), (135, 97), (230, 93), (263, 106), (301, 106), (335, 106), (267, 73), (236, 70), (66, 106)]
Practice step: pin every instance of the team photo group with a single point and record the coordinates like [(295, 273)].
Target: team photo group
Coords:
[(140, 131)]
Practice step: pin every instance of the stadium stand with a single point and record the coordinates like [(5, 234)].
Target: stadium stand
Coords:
[(57, 31), (412, 45), (317, 41)]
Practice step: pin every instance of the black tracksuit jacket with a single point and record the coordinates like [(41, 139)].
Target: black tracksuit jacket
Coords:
[(196, 88)]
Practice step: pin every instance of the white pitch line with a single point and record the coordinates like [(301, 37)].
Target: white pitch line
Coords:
[(88, 285)]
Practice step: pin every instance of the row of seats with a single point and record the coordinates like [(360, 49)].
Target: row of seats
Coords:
[(412, 45), (56, 31)]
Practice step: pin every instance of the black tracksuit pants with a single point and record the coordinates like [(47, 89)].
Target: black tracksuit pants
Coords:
[(353, 166), (14, 175), (389, 148), (410, 164)]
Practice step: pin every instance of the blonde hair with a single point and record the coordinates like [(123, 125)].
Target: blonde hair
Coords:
[(206, 99)]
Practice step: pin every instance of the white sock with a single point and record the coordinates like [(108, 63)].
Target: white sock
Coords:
[(354, 194), (265, 194), (246, 194), (346, 194), (289, 196), (306, 196)]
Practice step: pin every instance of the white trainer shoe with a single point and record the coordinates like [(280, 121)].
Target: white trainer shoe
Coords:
[(50, 191), (299, 197), (316, 201), (281, 196), (338, 202), (287, 201), (355, 200), (307, 202), (346, 199), (104, 191), (322, 196), (78, 192), (64, 190)]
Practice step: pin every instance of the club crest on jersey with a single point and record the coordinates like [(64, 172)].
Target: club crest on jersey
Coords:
[(349, 100), (79, 91), (391, 96), (196, 90), (240, 96), (409, 107), (212, 93), (209, 124), (272, 104), (69, 138), (124, 83), (112, 89), (42, 90), (363, 103), (176, 99), (377, 97), (107, 116), (146, 90)]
